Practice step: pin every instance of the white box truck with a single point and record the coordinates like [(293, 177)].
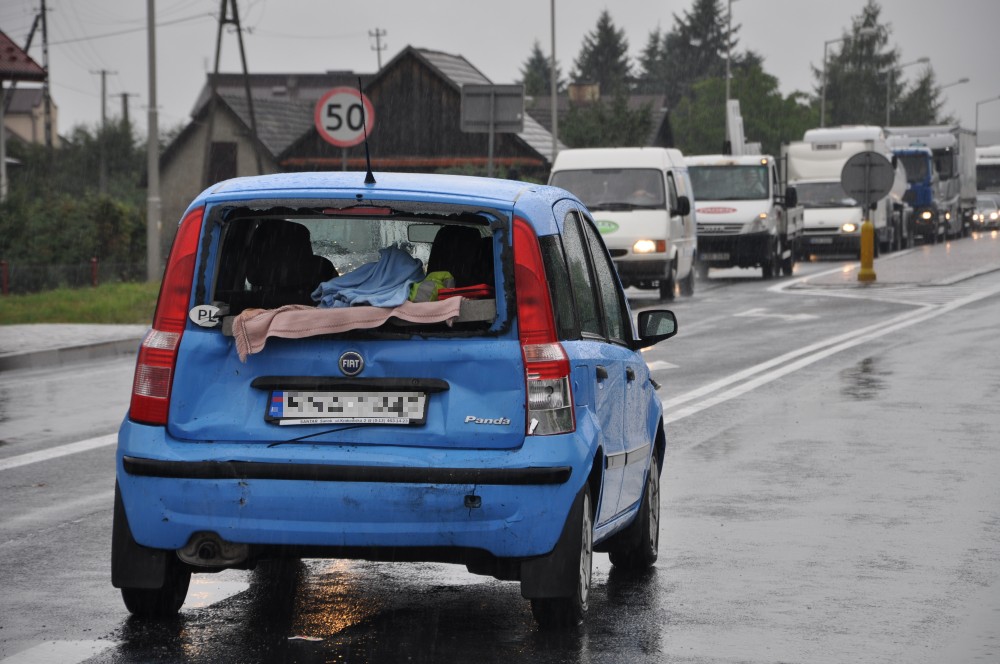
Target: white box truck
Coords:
[(640, 199), (746, 218), (832, 218)]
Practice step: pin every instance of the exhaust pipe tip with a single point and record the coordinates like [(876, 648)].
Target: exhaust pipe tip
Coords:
[(206, 549)]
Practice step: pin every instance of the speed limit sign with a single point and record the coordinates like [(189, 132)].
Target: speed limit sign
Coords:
[(343, 115)]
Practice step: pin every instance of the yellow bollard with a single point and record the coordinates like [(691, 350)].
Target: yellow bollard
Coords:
[(867, 271)]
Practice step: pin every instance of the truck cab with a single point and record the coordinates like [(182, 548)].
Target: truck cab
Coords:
[(832, 218), (746, 218), (922, 192)]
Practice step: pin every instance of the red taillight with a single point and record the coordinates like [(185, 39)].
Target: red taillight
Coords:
[(546, 367), (154, 367)]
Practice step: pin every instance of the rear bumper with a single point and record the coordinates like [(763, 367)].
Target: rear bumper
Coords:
[(509, 503)]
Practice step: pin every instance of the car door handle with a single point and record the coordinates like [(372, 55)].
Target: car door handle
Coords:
[(629, 374), (602, 373)]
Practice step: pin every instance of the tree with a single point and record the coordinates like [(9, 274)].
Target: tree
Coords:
[(921, 105), (603, 58), (536, 74), (54, 215), (694, 50), (864, 76), (607, 124), (768, 117)]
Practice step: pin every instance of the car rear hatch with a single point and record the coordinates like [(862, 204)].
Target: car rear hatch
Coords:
[(259, 363)]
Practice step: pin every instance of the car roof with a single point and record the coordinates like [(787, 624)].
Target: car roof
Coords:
[(532, 201), (643, 157)]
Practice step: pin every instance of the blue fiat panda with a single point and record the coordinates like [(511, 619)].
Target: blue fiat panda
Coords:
[(419, 367)]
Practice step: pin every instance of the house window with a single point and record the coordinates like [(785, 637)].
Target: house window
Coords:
[(222, 162)]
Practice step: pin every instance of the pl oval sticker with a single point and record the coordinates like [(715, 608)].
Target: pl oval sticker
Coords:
[(205, 315), (604, 226)]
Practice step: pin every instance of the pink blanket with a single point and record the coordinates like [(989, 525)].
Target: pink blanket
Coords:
[(253, 327)]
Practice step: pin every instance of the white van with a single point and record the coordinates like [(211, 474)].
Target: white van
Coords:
[(640, 199)]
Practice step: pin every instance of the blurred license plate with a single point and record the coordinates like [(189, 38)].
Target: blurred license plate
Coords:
[(317, 407), (821, 240), (716, 256)]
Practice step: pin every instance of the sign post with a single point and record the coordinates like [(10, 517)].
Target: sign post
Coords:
[(867, 177), (342, 115), (493, 109)]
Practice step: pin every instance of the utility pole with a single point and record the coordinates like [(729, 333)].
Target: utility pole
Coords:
[(102, 181), (213, 82), (152, 156), (46, 98), (379, 46), (125, 96)]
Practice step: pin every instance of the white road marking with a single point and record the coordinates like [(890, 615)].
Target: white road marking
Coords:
[(64, 652), (60, 451), (761, 312), (766, 372)]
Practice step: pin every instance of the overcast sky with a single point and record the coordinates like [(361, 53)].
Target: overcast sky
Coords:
[(960, 37)]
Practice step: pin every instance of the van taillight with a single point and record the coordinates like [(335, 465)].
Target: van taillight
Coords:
[(154, 368), (546, 367)]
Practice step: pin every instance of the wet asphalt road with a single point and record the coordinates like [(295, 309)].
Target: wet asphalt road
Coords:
[(829, 495)]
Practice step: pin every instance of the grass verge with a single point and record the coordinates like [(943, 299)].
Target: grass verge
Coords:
[(119, 303)]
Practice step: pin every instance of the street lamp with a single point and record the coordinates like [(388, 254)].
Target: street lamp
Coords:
[(888, 81), (958, 82), (978, 104), (862, 32)]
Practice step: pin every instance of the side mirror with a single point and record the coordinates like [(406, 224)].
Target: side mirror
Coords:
[(791, 197), (656, 325), (683, 207)]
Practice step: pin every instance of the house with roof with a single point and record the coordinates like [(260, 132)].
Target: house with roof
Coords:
[(417, 100), (24, 115)]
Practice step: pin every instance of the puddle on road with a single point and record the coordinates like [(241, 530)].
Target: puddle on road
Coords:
[(864, 381)]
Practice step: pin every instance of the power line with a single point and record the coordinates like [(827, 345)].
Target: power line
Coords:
[(129, 30)]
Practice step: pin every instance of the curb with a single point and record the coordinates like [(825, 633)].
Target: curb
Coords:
[(57, 357)]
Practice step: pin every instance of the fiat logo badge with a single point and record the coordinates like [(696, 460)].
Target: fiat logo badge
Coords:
[(351, 363)]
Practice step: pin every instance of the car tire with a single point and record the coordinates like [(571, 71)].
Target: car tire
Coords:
[(645, 540), (668, 285), (687, 283), (563, 612), (163, 602), (772, 263), (788, 264)]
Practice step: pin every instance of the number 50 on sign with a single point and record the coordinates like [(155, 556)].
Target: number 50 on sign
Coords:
[(342, 115)]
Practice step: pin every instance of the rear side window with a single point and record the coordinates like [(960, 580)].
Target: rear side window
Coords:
[(607, 285), (581, 279)]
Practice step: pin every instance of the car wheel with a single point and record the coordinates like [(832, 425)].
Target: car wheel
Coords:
[(667, 286), (702, 271), (163, 602), (647, 543), (561, 612), (771, 264), (788, 264), (687, 283)]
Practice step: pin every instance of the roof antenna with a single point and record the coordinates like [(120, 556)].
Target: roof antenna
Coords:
[(369, 177)]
